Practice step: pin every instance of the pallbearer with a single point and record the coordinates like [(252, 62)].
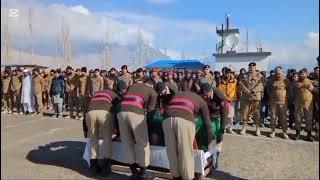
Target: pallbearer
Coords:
[(100, 117), (133, 124), (179, 132)]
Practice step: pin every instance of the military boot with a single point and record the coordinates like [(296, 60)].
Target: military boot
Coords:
[(106, 168), (134, 171), (310, 138), (144, 175), (297, 135), (273, 133), (258, 130), (243, 130), (285, 135), (94, 167)]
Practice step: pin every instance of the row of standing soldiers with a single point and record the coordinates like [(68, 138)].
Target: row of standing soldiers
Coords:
[(296, 92)]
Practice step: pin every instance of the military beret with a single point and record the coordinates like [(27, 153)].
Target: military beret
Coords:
[(121, 85), (293, 71), (216, 73), (6, 71), (69, 68), (124, 67), (58, 71), (206, 66), (83, 69), (160, 86), (252, 64), (96, 70), (155, 69), (205, 87), (304, 70), (139, 70)]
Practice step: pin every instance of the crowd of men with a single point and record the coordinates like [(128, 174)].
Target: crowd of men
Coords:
[(100, 96)]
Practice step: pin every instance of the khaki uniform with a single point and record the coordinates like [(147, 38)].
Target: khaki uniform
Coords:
[(278, 89), (252, 88), (46, 91), (127, 78), (72, 89), (304, 102), (103, 119), (16, 83), (6, 93), (96, 84), (38, 86), (208, 79), (84, 88)]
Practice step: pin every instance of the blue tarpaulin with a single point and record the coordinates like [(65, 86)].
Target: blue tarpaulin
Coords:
[(176, 64)]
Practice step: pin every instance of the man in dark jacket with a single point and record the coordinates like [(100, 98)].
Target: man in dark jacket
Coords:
[(133, 126), (179, 132), (57, 92), (216, 101), (100, 123)]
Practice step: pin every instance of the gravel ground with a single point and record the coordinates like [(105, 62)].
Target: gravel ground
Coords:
[(48, 148)]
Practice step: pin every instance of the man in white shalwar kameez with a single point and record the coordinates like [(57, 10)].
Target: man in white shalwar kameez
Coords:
[(27, 92)]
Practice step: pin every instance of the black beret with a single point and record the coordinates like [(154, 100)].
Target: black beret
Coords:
[(140, 70), (206, 66), (124, 67), (69, 68), (252, 64), (83, 69)]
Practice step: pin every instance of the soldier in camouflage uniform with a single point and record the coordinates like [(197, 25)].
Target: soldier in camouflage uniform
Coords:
[(252, 87), (16, 83), (72, 91), (47, 79), (97, 83), (38, 86), (111, 80), (304, 102), (278, 90), (126, 76), (5, 82), (84, 88), (206, 77)]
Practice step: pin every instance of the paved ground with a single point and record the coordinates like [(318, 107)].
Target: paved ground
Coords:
[(33, 148)]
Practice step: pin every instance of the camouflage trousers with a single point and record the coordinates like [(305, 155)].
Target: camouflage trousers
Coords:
[(251, 107), (278, 111)]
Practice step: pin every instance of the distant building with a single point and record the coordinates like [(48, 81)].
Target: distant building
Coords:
[(226, 51)]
